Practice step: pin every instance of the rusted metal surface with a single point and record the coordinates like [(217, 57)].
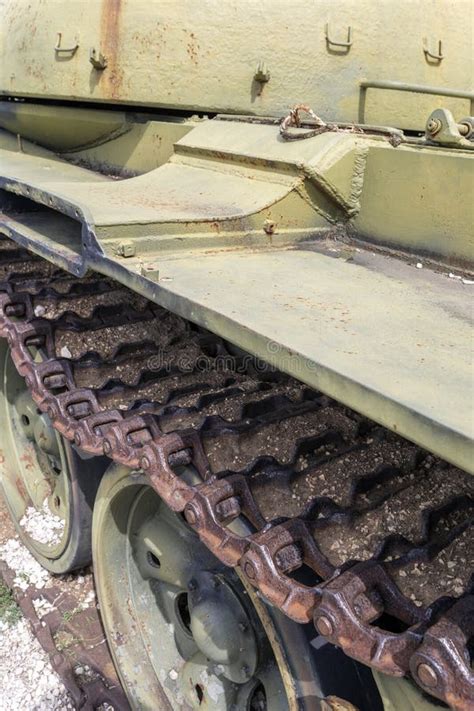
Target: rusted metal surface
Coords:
[(318, 126), (110, 44), (353, 527)]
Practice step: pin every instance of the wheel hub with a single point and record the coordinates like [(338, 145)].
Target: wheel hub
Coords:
[(221, 627), (175, 619), (39, 478), (36, 425)]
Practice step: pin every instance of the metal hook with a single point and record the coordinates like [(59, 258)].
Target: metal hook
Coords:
[(58, 47), (97, 59), (438, 57), (339, 44)]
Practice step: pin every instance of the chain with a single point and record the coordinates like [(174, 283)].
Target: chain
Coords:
[(347, 603)]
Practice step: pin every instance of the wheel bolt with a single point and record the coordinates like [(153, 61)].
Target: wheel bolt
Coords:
[(427, 675), (324, 626)]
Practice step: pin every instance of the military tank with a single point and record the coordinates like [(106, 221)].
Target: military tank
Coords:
[(236, 272)]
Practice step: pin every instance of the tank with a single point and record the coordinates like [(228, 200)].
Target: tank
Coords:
[(235, 302)]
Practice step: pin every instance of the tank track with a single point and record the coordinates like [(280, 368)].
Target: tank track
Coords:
[(351, 527)]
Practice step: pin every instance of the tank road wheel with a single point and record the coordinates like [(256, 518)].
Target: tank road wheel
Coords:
[(182, 629), (48, 487)]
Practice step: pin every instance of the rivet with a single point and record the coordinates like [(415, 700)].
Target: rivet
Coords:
[(427, 675), (324, 626)]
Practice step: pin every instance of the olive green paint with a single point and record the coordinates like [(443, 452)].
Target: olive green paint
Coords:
[(210, 56)]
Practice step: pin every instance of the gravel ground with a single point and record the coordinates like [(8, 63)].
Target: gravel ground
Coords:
[(27, 679)]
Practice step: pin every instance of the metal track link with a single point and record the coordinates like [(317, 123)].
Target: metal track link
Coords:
[(354, 528)]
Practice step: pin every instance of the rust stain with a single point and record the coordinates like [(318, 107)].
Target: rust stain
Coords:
[(193, 48), (28, 458), (20, 487), (111, 77)]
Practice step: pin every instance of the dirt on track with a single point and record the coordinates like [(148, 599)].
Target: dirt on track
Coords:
[(61, 613)]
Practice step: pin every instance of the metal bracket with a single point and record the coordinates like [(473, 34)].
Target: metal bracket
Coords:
[(262, 73), (432, 55), (97, 59), (332, 42), (58, 48), (443, 129)]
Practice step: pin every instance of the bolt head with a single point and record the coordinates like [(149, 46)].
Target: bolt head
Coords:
[(191, 515), (249, 570), (245, 670), (269, 227), (427, 675), (324, 626), (433, 126)]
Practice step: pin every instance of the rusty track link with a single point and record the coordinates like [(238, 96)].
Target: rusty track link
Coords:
[(354, 528)]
